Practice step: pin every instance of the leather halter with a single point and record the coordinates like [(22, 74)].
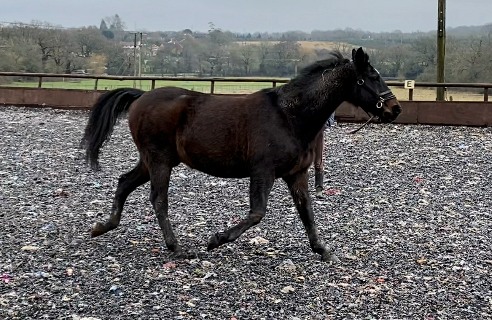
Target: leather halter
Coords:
[(382, 97)]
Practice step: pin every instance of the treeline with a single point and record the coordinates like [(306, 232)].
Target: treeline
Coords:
[(40, 47)]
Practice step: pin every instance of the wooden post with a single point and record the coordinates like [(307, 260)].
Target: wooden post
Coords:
[(441, 46)]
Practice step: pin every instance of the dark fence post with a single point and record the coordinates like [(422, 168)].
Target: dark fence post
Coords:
[(441, 47), (95, 84), (152, 86), (212, 86), (40, 82), (486, 94)]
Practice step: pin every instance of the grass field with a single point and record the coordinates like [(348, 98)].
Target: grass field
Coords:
[(305, 45), (103, 84), (420, 94)]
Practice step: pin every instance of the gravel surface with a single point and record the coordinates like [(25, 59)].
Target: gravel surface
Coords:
[(407, 209)]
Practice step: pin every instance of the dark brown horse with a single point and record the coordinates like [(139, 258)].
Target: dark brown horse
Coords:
[(265, 135)]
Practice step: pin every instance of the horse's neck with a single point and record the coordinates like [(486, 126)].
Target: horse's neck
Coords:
[(310, 109)]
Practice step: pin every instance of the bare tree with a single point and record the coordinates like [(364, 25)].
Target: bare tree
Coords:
[(89, 41), (246, 53), (264, 50)]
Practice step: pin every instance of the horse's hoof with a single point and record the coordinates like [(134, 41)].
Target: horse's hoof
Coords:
[(214, 242), (330, 258), (98, 229), (182, 255), (319, 192)]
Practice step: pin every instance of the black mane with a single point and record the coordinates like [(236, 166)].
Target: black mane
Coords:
[(319, 66), (298, 84), (307, 82)]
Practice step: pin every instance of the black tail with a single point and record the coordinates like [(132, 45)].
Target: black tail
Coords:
[(104, 114)]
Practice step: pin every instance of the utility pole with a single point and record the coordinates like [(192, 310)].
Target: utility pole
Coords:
[(135, 58), (137, 65), (140, 59), (140, 56), (441, 46)]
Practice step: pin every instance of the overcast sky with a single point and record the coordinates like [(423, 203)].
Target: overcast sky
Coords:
[(251, 15)]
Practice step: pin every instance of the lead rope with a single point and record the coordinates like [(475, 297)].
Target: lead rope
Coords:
[(362, 126)]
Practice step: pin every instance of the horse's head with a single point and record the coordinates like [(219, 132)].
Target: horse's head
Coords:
[(372, 93)]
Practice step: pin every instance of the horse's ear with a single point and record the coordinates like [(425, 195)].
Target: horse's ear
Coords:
[(360, 58)]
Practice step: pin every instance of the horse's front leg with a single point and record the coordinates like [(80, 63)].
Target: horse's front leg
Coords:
[(318, 163), (260, 187), (298, 186)]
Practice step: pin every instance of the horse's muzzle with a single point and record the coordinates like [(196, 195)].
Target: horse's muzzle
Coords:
[(392, 110)]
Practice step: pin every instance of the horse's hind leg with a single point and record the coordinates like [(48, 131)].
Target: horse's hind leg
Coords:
[(160, 172), (298, 187), (260, 188), (127, 183)]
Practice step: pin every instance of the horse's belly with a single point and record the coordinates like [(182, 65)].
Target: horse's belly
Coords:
[(222, 168), (214, 155)]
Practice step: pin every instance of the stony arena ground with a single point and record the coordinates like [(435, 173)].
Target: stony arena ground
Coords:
[(408, 209)]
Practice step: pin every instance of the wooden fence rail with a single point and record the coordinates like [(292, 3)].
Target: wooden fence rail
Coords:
[(213, 80)]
